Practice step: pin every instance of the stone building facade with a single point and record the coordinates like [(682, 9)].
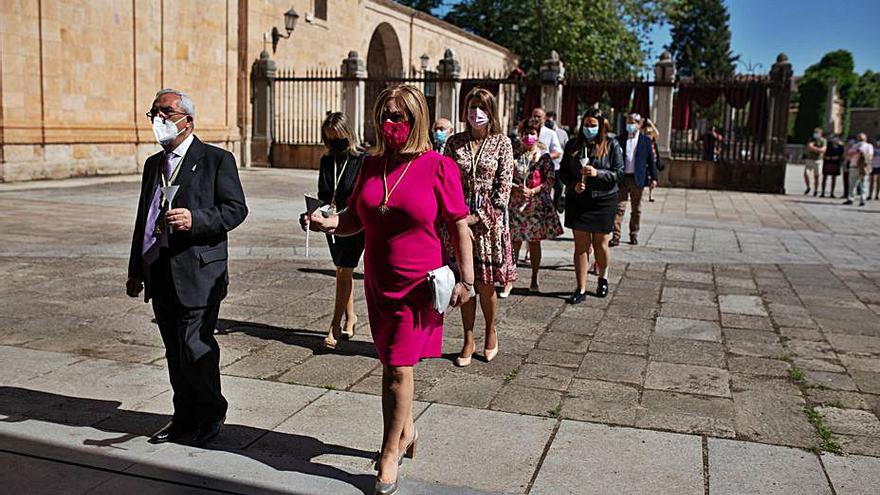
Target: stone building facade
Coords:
[(865, 120), (77, 76)]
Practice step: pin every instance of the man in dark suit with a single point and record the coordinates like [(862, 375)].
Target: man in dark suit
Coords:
[(190, 198), (640, 170)]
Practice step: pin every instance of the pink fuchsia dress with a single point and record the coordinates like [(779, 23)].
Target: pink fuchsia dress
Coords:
[(401, 247)]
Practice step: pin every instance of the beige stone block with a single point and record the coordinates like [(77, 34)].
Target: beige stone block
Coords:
[(82, 151), (21, 153), (58, 152)]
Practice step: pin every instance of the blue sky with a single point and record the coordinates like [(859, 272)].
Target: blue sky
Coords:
[(803, 29)]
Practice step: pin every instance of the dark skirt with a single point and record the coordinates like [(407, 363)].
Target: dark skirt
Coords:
[(346, 251), (589, 214), (831, 167)]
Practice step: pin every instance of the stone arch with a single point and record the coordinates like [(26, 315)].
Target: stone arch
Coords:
[(384, 58)]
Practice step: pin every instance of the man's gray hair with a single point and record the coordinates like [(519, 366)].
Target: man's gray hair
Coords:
[(186, 104)]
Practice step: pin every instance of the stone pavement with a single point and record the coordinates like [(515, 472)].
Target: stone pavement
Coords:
[(70, 424), (745, 327)]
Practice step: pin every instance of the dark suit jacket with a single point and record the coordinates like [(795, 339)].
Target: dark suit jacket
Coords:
[(211, 190), (646, 163)]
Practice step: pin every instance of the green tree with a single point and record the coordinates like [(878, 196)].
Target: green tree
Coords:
[(837, 66), (602, 37), (866, 92), (423, 5), (701, 39)]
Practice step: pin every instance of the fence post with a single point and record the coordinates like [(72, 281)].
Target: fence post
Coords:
[(263, 104), (552, 74), (780, 96), (664, 77), (448, 87), (354, 70)]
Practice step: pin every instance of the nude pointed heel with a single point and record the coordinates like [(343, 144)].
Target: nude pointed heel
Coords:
[(490, 353)]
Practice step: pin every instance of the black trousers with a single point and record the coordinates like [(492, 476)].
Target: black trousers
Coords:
[(195, 376)]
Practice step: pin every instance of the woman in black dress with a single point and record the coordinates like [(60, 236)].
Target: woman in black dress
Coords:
[(831, 163), (336, 178), (591, 168)]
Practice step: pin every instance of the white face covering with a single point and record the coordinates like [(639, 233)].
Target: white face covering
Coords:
[(165, 130), (478, 118)]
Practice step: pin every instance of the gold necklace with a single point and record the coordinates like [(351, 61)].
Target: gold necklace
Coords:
[(383, 207)]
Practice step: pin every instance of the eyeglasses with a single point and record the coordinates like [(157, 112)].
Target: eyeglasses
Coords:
[(164, 112)]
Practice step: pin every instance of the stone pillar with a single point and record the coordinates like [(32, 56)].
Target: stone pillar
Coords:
[(664, 78), (354, 70), (780, 97), (448, 87), (552, 74), (263, 104)]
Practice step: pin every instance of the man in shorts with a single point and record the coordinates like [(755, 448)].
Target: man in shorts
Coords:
[(815, 149)]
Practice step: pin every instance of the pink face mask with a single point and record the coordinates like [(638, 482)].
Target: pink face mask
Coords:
[(478, 118), (529, 140), (395, 134)]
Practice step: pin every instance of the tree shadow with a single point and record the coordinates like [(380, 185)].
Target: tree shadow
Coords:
[(282, 451), (308, 339)]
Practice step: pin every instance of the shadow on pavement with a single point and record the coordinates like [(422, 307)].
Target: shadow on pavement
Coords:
[(21, 404), (301, 338), (327, 272)]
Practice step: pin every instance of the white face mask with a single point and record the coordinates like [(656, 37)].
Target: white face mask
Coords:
[(165, 130)]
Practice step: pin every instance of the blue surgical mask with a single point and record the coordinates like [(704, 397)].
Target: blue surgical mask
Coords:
[(440, 136), (632, 128), (591, 132)]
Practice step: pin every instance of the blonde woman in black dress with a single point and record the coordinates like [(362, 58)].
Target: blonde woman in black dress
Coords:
[(336, 179)]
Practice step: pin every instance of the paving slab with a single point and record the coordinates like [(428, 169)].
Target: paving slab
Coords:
[(853, 474), (19, 476), (620, 460), (613, 367), (688, 329), (687, 413), (485, 450), (740, 467), (687, 378), (606, 402), (850, 421), (687, 351)]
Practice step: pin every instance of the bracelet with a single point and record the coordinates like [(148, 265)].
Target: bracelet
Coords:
[(466, 285)]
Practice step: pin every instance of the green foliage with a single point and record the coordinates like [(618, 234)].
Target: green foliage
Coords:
[(813, 91), (603, 37), (826, 441), (423, 5), (866, 92), (701, 39)]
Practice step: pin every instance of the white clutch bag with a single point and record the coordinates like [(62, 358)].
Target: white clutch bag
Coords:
[(442, 281)]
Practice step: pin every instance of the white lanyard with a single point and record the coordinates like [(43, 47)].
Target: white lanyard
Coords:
[(337, 179)]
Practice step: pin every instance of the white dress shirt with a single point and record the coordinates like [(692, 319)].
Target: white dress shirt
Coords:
[(631, 142)]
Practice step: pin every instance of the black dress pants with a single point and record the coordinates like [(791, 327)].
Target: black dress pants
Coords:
[(191, 351)]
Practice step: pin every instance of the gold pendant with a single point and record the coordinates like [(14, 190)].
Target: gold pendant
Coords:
[(383, 208)]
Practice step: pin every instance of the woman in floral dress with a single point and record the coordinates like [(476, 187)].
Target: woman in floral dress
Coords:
[(533, 217), (485, 157)]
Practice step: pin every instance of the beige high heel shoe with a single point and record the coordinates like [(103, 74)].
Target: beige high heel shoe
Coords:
[(348, 332), (490, 353), (331, 340)]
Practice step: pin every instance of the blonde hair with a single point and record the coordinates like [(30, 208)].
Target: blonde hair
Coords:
[(413, 101), (487, 100), (337, 123), (651, 130)]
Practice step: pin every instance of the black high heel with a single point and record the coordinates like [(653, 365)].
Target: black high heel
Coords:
[(602, 288)]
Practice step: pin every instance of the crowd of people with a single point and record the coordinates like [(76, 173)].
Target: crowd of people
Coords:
[(438, 217), (857, 160), (428, 197)]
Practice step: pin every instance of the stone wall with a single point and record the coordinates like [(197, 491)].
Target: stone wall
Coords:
[(865, 120), (76, 79)]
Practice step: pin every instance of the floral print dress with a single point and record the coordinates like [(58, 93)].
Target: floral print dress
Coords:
[(486, 180), (535, 218)]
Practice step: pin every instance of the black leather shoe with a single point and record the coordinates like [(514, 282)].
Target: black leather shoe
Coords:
[(614, 242), (172, 432), (602, 288), (634, 240), (577, 297), (206, 432)]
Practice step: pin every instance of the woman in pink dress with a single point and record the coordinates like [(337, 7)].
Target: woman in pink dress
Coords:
[(402, 194)]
